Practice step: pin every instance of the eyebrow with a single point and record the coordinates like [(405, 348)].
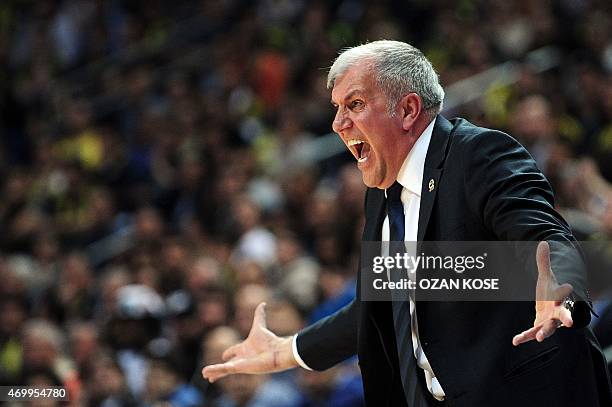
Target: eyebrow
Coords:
[(350, 95)]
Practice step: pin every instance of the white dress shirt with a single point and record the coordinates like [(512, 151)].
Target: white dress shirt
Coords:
[(410, 176)]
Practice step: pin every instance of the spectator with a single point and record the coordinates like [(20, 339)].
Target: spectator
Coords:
[(164, 384), (196, 157), (44, 347)]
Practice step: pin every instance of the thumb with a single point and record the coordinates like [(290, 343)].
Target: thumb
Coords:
[(543, 258), (259, 320)]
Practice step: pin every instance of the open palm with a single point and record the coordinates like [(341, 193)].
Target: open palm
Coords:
[(550, 295), (261, 352)]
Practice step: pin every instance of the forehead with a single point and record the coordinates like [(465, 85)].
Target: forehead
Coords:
[(356, 80)]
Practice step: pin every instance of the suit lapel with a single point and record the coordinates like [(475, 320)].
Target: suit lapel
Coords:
[(378, 312), (436, 153), (375, 214)]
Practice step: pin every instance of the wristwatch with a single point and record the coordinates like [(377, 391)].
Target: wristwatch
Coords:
[(569, 303)]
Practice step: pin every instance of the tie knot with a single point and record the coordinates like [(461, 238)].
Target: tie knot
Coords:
[(394, 192)]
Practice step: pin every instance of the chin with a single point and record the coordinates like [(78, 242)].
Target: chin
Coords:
[(371, 183)]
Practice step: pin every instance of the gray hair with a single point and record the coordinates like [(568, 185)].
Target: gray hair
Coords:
[(399, 68)]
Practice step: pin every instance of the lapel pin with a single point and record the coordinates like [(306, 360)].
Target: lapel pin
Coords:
[(431, 185)]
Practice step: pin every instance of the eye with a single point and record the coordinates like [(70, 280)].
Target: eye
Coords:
[(356, 104)]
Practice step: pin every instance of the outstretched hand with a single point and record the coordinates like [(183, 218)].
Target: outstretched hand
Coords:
[(550, 295), (261, 352)]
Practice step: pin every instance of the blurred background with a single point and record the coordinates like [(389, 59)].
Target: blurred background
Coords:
[(167, 165)]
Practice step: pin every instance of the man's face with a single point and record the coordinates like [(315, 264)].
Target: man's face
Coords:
[(373, 136)]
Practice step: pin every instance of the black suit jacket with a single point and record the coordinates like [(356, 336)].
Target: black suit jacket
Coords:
[(488, 187)]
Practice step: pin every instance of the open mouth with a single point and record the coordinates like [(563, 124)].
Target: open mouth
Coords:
[(360, 149)]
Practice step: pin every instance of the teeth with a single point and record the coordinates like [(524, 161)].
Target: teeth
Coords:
[(354, 142), (362, 159)]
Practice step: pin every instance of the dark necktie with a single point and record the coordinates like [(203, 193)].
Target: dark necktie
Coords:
[(401, 308)]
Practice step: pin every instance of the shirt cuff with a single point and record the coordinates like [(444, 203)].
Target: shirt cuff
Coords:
[(296, 355)]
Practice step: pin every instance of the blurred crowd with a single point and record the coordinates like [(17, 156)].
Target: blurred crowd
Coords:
[(161, 174)]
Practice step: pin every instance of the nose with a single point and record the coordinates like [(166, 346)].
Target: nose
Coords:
[(341, 121)]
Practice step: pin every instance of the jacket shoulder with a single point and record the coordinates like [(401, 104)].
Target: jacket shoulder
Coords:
[(469, 134)]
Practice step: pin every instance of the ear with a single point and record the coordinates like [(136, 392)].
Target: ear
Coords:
[(411, 106)]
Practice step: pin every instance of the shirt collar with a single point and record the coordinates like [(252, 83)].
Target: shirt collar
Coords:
[(410, 175)]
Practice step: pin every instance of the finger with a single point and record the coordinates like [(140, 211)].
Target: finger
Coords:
[(565, 316), (543, 258), (254, 365), (218, 371), (259, 319), (526, 336), (230, 352), (211, 374), (548, 328)]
